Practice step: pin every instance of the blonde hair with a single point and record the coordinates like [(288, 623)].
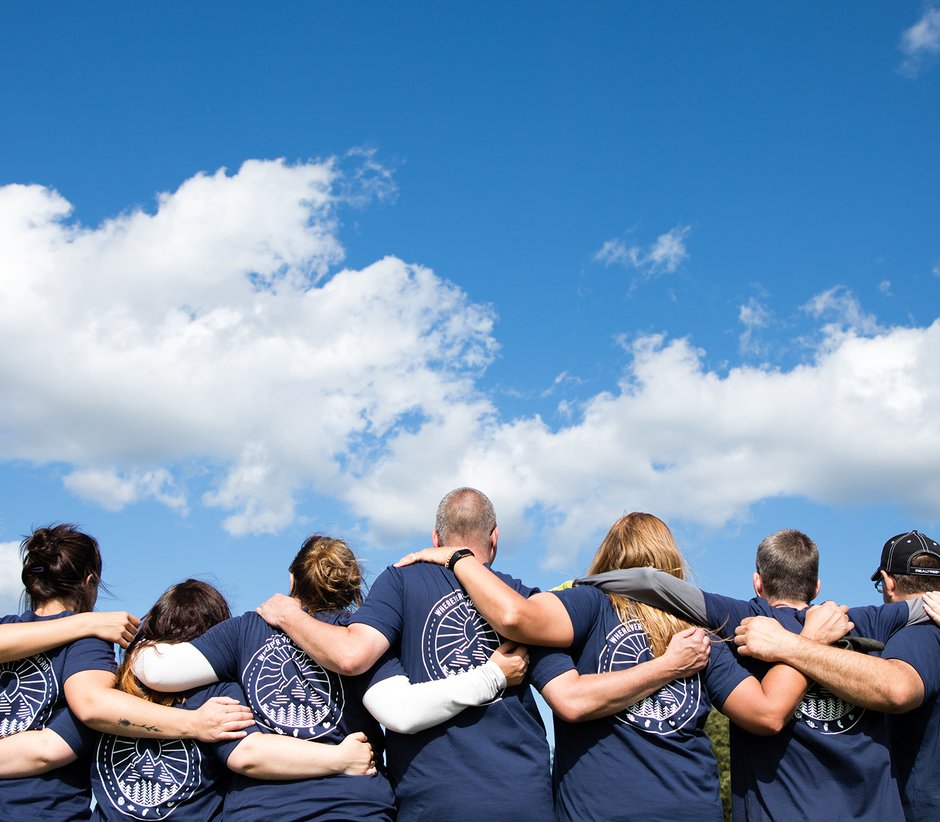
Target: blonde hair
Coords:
[(640, 540), (327, 575)]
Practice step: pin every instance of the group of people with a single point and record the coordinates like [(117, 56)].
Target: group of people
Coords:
[(279, 713)]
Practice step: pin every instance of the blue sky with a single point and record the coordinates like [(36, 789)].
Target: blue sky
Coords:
[(306, 268)]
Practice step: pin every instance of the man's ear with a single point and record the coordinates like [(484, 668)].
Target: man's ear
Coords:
[(818, 586), (494, 540), (435, 539), (758, 584), (890, 583)]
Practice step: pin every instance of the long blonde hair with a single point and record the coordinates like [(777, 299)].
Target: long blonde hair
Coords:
[(640, 540)]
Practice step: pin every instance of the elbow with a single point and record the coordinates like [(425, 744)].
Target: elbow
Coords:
[(89, 708), (351, 662), (768, 723), (899, 699), (512, 622), (570, 710), (244, 760)]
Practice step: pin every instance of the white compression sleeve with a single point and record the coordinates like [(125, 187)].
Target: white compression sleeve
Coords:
[(407, 709), (173, 668)]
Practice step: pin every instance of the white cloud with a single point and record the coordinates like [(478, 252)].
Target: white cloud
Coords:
[(10, 585), (752, 315), (844, 312), (920, 44), (205, 331), (207, 336), (854, 426), (664, 256), (884, 287)]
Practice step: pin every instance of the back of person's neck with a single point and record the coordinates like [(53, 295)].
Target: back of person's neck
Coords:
[(480, 552), (51, 607), (787, 603)]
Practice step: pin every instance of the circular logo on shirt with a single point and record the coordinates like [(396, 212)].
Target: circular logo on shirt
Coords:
[(290, 692), (663, 712), (455, 637), (823, 711), (148, 778), (28, 692)]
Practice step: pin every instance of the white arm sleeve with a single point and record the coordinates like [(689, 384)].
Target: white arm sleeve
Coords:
[(407, 709), (173, 668)]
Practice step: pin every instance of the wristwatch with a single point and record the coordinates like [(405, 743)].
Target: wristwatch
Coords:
[(457, 556)]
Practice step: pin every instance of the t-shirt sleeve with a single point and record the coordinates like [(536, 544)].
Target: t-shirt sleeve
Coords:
[(223, 750), (389, 665), (88, 655), (723, 673), (547, 663), (726, 613), (919, 647), (384, 608), (583, 606), (79, 737), (220, 646), (879, 622)]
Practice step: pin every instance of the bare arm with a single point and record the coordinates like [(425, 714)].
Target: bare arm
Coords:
[(888, 685), (31, 753), (579, 697), (95, 701), (407, 708), (539, 620), (345, 649), (19, 640), (273, 757)]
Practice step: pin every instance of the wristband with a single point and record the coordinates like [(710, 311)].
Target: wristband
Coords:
[(457, 556)]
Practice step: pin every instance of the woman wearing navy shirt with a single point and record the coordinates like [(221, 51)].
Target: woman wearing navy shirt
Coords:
[(289, 693), (632, 693), (41, 678)]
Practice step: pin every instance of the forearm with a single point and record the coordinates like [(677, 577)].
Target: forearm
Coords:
[(581, 697), (115, 712), (342, 649), (274, 757), (408, 708), (31, 753), (19, 640), (656, 588), (866, 681)]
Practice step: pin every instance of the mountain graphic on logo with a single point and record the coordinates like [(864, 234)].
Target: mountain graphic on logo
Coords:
[(147, 781), (16, 712), (295, 704)]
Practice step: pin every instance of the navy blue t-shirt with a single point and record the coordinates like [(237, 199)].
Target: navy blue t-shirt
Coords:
[(154, 778), (915, 736), (488, 762), (31, 698), (832, 761), (657, 747), (291, 694)]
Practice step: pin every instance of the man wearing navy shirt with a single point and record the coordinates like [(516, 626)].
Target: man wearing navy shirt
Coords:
[(490, 761), (904, 682), (833, 760)]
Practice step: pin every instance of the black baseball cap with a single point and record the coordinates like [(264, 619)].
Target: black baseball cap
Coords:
[(898, 552)]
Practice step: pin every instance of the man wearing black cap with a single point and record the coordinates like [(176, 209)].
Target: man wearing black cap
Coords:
[(904, 682)]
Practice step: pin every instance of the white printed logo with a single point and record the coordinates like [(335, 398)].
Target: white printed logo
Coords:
[(28, 692), (664, 712), (823, 711), (455, 637), (291, 693), (148, 778)]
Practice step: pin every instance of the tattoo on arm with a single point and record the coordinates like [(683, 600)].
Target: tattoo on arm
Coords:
[(126, 723)]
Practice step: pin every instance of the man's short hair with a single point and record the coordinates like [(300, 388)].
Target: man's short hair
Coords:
[(465, 513), (915, 583), (788, 563)]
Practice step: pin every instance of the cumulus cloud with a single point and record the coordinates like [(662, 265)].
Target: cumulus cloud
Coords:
[(206, 330), (663, 256), (10, 585), (920, 44), (855, 425), (214, 337)]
